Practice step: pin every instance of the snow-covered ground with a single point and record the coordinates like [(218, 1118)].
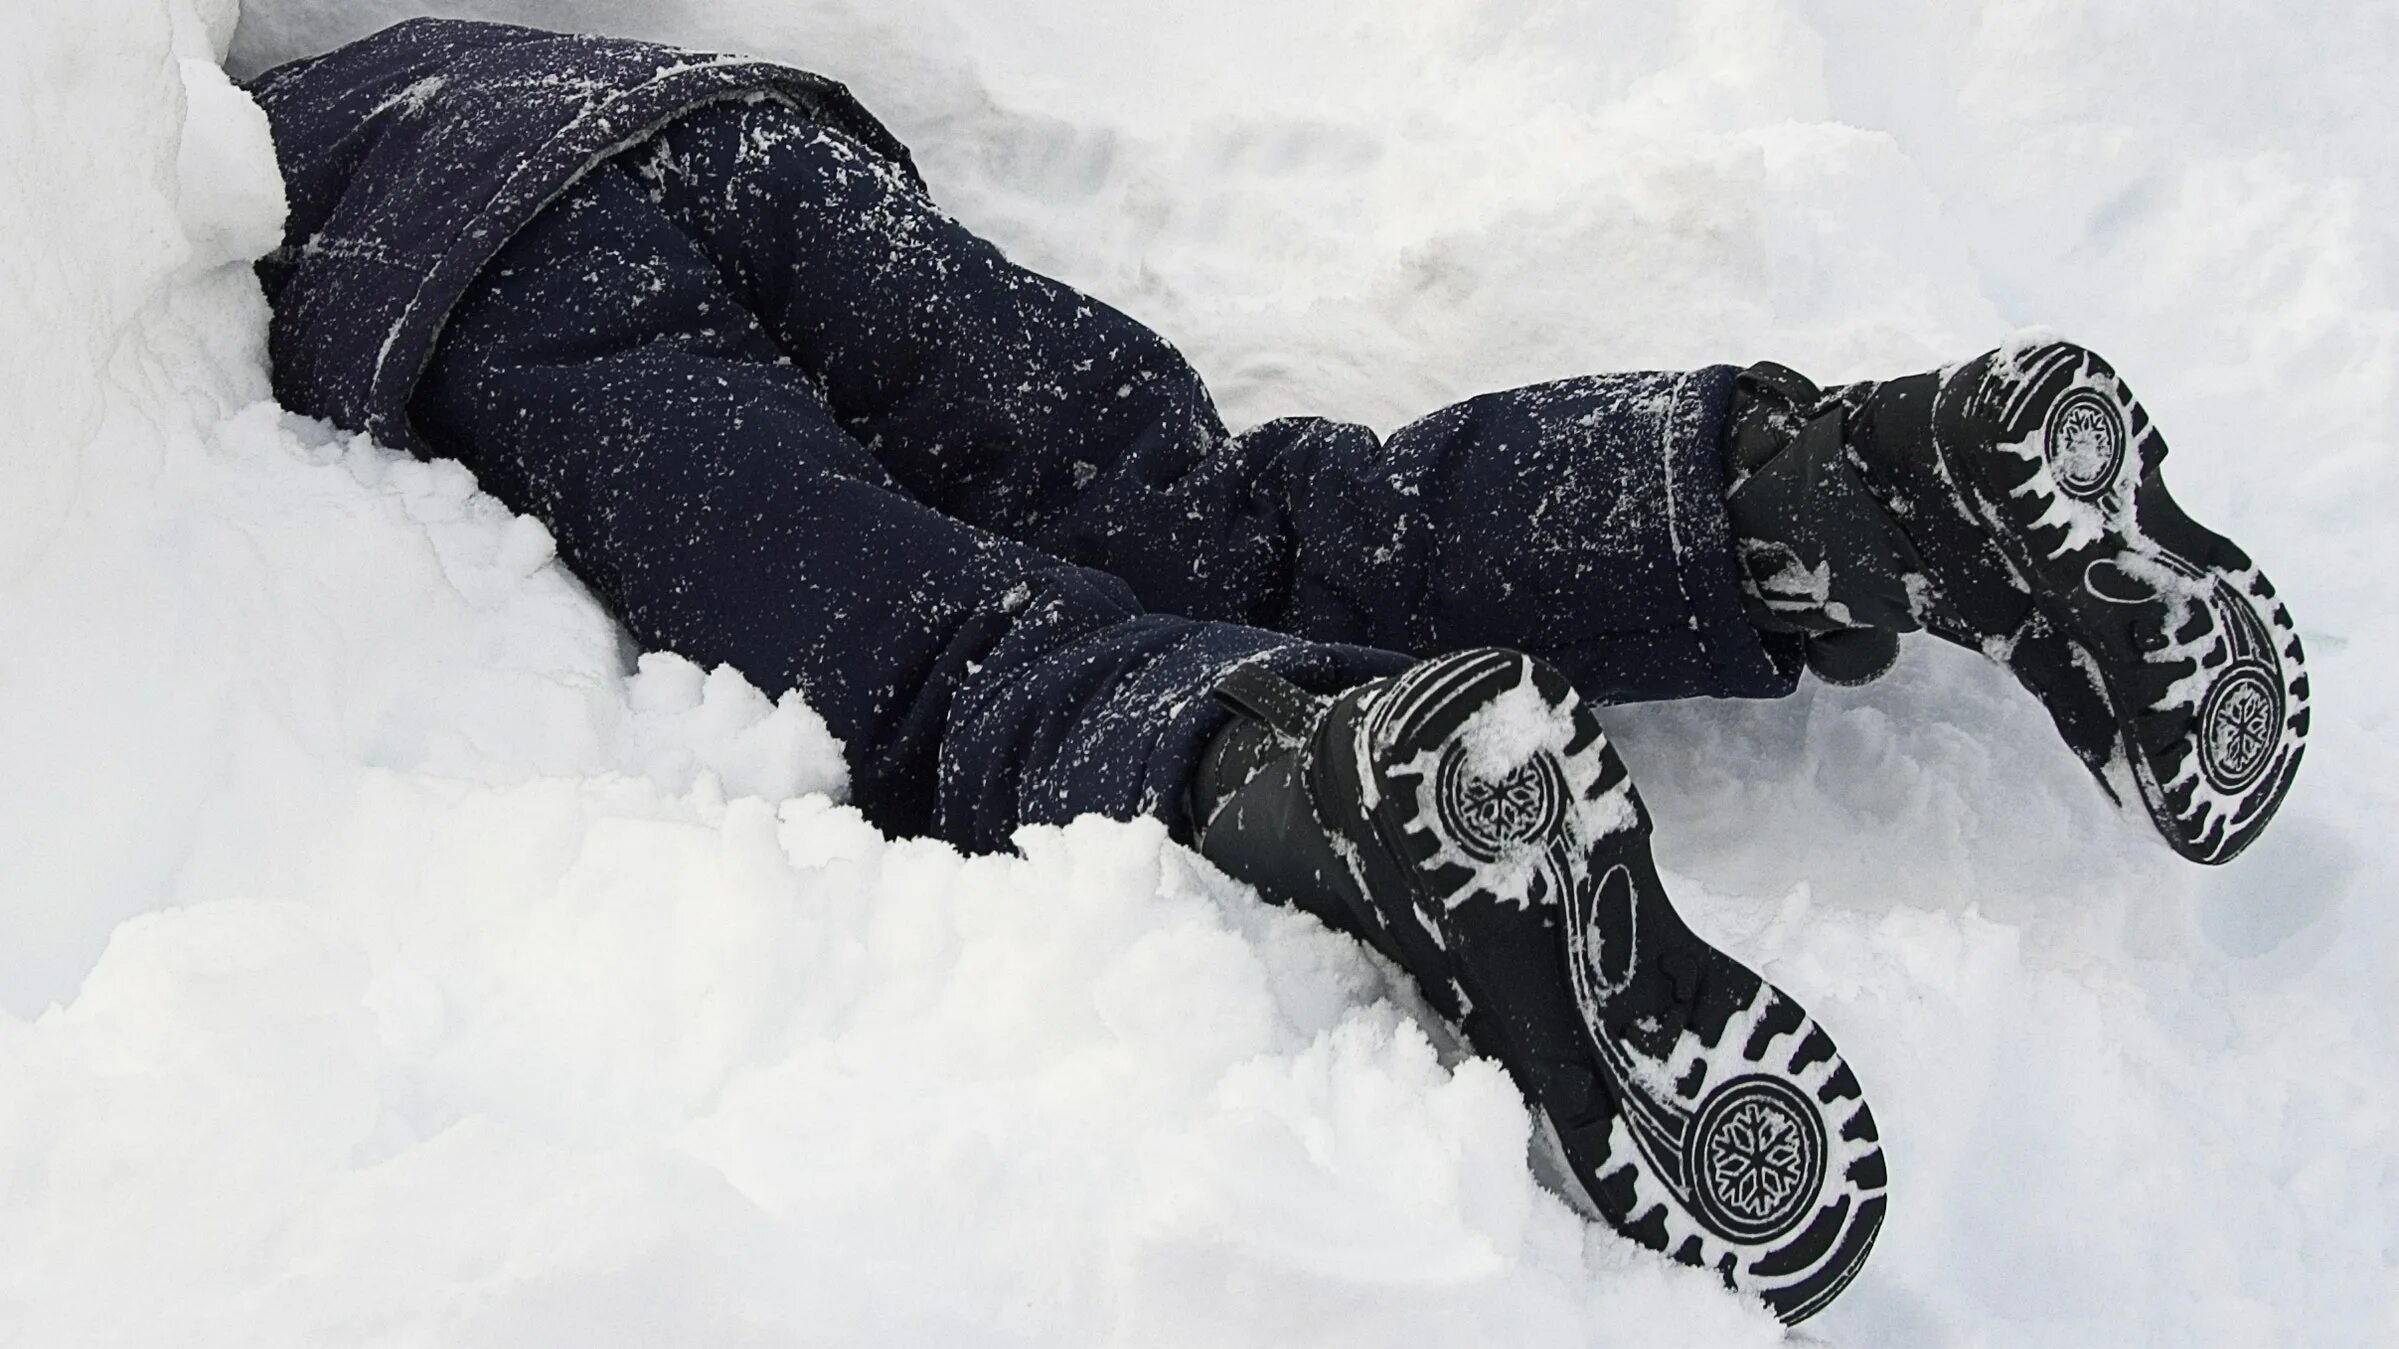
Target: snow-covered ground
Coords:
[(387, 957)]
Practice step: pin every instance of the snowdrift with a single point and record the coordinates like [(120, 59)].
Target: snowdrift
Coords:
[(388, 955)]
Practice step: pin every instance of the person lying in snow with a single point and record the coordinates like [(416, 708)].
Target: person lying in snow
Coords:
[(698, 315)]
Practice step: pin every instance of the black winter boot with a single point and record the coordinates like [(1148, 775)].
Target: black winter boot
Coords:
[(1469, 820), (2012, 504)]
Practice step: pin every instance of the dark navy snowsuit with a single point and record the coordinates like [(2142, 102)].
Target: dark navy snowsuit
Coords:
[(698, 315)]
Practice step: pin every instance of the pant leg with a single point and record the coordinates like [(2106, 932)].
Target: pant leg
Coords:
[(1582, 520), (602, 377)]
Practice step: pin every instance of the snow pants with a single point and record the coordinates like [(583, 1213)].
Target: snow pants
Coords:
[(781, 412)]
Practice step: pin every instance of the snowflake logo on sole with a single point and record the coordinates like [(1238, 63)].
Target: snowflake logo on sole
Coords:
[(1491, 817), (2085, 440), (1755, 1156), (2239, 725)]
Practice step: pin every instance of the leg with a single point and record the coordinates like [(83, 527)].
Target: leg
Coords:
[(1580, 520), (1583, 521), (602, 378)]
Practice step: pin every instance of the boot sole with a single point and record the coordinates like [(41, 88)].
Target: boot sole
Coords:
[(2197, 660), (1699, 1110)]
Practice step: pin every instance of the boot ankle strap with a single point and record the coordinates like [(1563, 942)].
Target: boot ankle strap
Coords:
[(1264, 696)]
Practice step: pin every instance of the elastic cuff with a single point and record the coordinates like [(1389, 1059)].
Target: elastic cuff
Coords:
[(1742, 662), (1114, 723)]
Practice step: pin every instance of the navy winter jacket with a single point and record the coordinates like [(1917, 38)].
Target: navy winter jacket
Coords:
[(412, 156)]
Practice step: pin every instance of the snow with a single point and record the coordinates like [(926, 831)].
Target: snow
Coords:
[(388, 956)]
